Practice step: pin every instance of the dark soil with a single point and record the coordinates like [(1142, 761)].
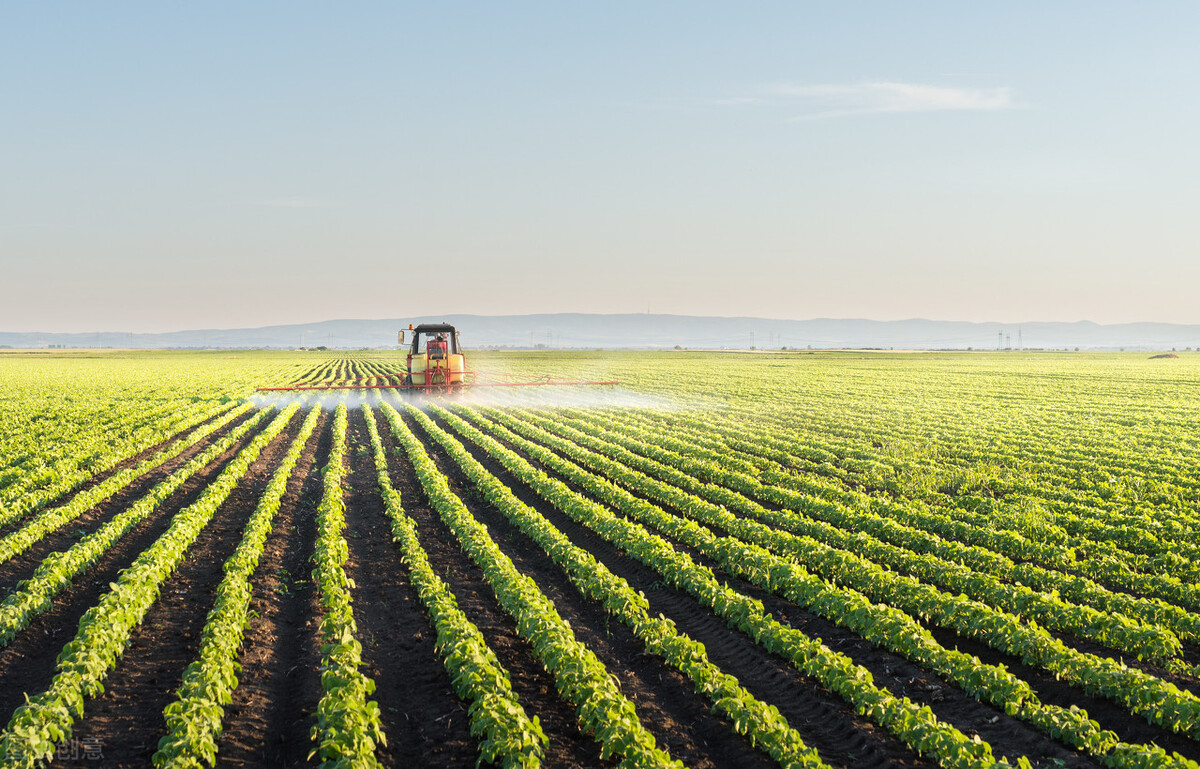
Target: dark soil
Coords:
[(126, 720), (273, 707), (827, 723), (681, 722), (27, 664), (533, 686), (425, 722)]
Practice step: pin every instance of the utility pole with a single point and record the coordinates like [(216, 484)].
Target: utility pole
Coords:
[(999, 340)]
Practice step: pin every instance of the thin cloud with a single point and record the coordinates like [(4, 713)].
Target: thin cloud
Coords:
[(818, 102), (826, 101)]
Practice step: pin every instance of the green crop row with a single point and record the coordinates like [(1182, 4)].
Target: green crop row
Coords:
[(579, 675), (20, 540), (914, 724), (707, 462), (759, 721), (1158, 701), (56, 570), (1105, 568), (348, 727), (891, 628), (510, 738), (679, 472), (45, 720), (194, 718), (46, 479)]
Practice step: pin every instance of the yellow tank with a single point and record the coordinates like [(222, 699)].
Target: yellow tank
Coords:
[(422, 372)]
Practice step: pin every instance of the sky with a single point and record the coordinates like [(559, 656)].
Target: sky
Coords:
[(166, 166)]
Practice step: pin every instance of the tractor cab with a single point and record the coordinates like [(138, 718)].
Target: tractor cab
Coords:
[(434, 357), (434, 365)]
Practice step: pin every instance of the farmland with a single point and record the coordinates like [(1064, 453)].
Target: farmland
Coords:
[(733, 559)]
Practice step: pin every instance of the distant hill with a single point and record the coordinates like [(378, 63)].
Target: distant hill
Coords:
[(638, 331)]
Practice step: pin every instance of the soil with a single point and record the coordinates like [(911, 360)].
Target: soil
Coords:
[(168, 639), (27, 664), (425, 722), (269, 722)]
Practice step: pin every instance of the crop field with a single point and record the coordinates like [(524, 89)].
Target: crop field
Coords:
[(730, 560)]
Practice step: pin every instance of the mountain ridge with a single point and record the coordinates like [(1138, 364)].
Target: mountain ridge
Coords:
[(650, 331)]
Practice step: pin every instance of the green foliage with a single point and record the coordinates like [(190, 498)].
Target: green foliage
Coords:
[(578, 674), (194, 719), (509, 737), (104, 631), (1002, 499), (347, 728)]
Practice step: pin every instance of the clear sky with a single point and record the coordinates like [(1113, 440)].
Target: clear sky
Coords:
[(181, 165)]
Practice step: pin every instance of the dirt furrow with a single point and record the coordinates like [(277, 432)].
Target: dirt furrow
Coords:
[(827, 723), (534, 687), (268, 720), (425, 722), (127, 720), (681, 720), (27, 664)]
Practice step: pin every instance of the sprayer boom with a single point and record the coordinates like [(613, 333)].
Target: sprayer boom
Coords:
[(435, 363), (470, 384)]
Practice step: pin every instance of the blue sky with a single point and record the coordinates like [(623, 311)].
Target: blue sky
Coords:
[(167, 166)]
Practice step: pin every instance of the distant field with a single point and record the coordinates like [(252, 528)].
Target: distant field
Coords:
[(730, 560)]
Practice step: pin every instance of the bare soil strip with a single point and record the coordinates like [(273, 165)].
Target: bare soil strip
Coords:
[(425, 722), (28, 663), (268, 722), (1109, 714), (681, 721), (1050, 690), (827, 723), (127, 719), (534, 687), (1007, 736)]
